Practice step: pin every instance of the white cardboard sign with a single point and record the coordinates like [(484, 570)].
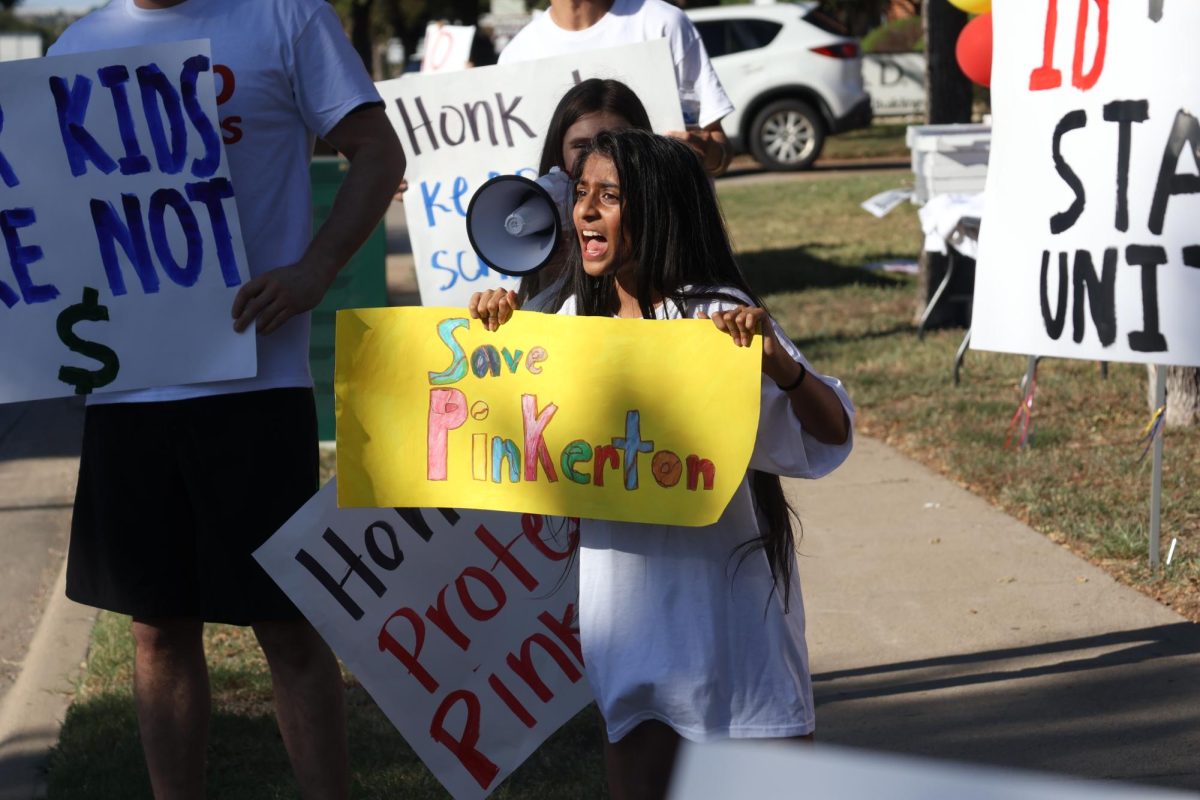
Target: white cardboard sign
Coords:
[(462, 128), (120, 249), (447, 47), (461, 624), (896, 83), (1089, 246)]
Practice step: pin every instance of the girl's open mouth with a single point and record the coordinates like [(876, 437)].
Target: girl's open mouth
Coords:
[(595, 245)]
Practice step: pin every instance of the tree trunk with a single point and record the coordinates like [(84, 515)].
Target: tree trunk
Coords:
[(948, 91), (1183, 395), (408, 30), (464, 12), (360, 32)]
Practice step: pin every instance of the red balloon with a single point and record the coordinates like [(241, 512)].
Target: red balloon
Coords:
[(974, 50)]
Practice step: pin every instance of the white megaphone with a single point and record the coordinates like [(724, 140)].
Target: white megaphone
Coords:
[(514, 223)]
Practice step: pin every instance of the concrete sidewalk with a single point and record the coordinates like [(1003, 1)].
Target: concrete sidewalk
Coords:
[(43, 636), (940, 626)]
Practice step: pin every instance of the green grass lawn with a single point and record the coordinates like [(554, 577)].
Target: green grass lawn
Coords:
[(99, 755), (881, 140), (804, 244)]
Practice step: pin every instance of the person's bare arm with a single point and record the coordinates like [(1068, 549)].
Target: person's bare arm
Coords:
[(710, 144), (367, 139)]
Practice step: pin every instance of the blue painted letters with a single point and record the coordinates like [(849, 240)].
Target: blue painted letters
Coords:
[(134, 162), (21, 256), (80, 145)]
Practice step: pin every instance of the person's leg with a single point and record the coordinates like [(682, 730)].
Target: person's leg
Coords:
[(170, 688), (310, 706), (639, 766), (253, 461)]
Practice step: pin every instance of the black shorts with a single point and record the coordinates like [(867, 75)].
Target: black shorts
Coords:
[(174, 497)]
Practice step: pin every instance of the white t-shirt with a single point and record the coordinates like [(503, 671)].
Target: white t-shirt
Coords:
[(675, 627), (294, 74), (629, 22)]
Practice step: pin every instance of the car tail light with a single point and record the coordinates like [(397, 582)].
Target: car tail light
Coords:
[(844, 50)]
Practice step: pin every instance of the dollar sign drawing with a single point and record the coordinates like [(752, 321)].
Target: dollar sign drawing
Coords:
[(84, 380)]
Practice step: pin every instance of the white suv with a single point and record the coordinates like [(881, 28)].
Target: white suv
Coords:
[(792, 77)]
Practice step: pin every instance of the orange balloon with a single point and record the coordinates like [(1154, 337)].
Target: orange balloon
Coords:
[(973, 6), (974, 50)]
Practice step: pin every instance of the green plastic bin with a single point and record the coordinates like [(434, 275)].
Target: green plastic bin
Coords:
[(362, 283)]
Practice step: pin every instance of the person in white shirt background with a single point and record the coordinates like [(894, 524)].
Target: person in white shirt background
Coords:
[(573, 26)]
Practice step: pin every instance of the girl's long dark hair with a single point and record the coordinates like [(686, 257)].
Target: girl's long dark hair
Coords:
[(676, 234), (595, 95)]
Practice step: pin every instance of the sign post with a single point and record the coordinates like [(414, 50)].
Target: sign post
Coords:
[(1160, 400)]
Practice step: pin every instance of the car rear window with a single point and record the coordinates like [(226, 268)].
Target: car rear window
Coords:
[(724, 37), (826, 22)]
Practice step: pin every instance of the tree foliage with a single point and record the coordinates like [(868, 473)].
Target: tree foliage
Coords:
[(948, 91), (862, 16), (373, 21)]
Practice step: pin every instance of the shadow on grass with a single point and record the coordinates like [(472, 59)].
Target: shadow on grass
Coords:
[(795, 269), (99, 757), (836, 163), (805, 342)]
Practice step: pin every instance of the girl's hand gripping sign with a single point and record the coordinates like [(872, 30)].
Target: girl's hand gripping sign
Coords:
[(637, 421)]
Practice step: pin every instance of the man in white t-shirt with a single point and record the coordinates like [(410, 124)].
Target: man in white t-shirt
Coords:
[(573, 26), (178, 485)]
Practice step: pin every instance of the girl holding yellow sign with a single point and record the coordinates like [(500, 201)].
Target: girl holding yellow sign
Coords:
[(691, 632)]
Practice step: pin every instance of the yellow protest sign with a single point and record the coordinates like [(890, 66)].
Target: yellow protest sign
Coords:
[(633, 420)]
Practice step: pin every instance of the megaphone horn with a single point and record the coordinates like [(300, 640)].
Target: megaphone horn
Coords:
[(514, 224)]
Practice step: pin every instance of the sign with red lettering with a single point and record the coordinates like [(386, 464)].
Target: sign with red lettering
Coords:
[(447, 47), (461, 624), (120, 248), (1089, 246)]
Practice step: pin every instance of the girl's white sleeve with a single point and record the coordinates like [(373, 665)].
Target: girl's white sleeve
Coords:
[(783, 447)]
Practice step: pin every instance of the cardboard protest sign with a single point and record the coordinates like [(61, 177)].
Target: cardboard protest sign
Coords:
[(574, 416), (447, 47), (1089, 246), (460, 624), (121, 247), (462, 128)]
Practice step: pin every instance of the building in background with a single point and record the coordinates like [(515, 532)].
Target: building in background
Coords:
[(16, 46)]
